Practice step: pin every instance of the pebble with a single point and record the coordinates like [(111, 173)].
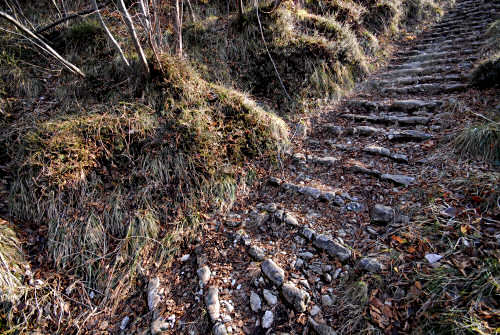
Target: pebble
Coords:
[(326, 300), (332, 248), (267, 319), (371, 265), (257, 253), (124, 323), (255, 302), (308, 233), (296, 297), (270, 298), (291, 220), (212, 303), (315, 310), (306, 255), (433, 258), (299, 263), (321, 329), (382, 214), (204, 275), (273, 272), (185, 258)]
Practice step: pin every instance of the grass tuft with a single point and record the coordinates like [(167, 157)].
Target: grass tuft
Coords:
[(480, 141), (11, 265)]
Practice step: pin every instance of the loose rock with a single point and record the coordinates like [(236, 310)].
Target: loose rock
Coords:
[(257, 253), (332, 248), (204, 274), (219, 329), (273, 272), (398, 179), (371, 265), (153, 295), (255, 302), (382, 214), (270, 298), (267, 319), (326, 300), (212, 303), (321, 329), (296, 297)]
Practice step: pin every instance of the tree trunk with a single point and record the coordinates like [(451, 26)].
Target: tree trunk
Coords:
[(178, 26), (239, 4), (133, 35)]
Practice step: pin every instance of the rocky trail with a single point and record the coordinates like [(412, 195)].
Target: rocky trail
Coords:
[(297, 254)]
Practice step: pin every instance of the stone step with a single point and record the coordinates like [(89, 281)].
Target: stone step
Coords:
[(474, 13), (398, 179), (479, 29), (372, 150), (418, 72), (478, 10), (461, 22), (490, 8), (455, 29), (406, 106), (453, 37), (388, 119), (464, 20), (408, 136), (471, 4), (442, 47), (367, 131), (437, 88), (427, 56), (406, 81), (385, 152), (432, 62), (334, 196)]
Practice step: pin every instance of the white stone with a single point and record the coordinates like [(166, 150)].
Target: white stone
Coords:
[(267, 319), (433, 258), (270, 298)]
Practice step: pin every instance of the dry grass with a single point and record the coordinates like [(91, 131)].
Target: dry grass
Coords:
[(120, 184), (320, 51), (480, 141), (486, 74), (11, 265)]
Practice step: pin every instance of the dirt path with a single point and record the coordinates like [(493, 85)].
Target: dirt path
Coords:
[(319, 246)]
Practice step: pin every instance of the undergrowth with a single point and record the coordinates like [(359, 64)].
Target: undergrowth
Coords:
[(320, 51), (480, 141), (486, 74), (117, 184)]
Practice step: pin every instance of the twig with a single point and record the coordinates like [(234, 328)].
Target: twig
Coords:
[(41, 44), (133, 35), (268, 53), (484, 117), (69, 17), (110, 35)]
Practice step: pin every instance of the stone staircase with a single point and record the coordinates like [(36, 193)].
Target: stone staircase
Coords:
[(307, 228)]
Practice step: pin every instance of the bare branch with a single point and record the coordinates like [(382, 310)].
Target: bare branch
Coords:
[(41, 44), (110, 35), (69, 17), (133, 35)]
